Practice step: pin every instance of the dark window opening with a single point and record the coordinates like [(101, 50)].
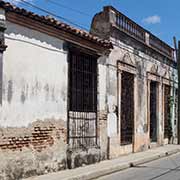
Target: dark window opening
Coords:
[(127, 108), (153, 111), (176, 107), (167, 109), (82, 114), (1, 78)]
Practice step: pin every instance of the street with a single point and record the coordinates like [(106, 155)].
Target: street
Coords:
[(164, 169)]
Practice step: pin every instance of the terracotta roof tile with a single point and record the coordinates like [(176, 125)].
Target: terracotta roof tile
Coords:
[(56, 23)]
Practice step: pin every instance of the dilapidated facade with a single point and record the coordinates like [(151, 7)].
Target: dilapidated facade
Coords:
[(141, 78), (49, 94), (69, 98)]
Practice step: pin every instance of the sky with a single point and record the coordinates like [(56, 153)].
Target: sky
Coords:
[(161, 17)]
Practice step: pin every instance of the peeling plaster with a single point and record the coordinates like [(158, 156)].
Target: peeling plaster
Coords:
[(34, 84)]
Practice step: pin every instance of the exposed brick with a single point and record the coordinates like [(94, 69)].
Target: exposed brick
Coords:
[(40, 138)]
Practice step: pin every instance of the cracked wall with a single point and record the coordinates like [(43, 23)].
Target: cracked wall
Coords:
[(33, 87), (37, 149), (143, 62), (33, 114)]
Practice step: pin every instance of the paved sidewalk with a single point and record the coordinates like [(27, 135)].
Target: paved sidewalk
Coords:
[(110, 166)]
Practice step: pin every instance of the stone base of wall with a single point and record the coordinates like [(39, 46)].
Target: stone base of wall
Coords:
[(153, 145), (16, 165), (38, 149), (41, 148), (166, 141), (78, 158), (141, 142), (175, 140), (116, 150)]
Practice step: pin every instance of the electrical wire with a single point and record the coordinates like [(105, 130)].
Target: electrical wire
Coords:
[(66, 7), (50, 13)]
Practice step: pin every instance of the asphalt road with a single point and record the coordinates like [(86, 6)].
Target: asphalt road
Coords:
[(167, 168)]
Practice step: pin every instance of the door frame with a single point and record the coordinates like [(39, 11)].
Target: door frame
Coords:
[(156, 78), (123, 66), (165, 82)]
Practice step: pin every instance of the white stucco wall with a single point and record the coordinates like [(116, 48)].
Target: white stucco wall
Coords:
[(102, 83), (34, 77)]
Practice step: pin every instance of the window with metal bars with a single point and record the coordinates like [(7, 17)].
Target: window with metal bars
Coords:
[(127, 108), (167, 110), (82, 114), (153, 110)]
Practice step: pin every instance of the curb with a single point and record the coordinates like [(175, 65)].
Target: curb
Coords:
[(120, 167), (100, 173), (155, 157)]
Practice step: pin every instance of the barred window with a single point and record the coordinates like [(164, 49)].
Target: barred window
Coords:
[(82, 118)]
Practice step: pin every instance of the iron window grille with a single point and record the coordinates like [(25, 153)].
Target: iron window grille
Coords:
[(82, 114)]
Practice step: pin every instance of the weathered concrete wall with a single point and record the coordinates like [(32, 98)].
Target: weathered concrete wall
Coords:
[(33, 114), (40, 148), (102, 106), (145, 62), (34, 77)]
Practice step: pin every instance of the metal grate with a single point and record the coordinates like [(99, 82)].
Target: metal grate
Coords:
[(127, 108), (167, 109), (153, 111), (82, 115), (175, 112)]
